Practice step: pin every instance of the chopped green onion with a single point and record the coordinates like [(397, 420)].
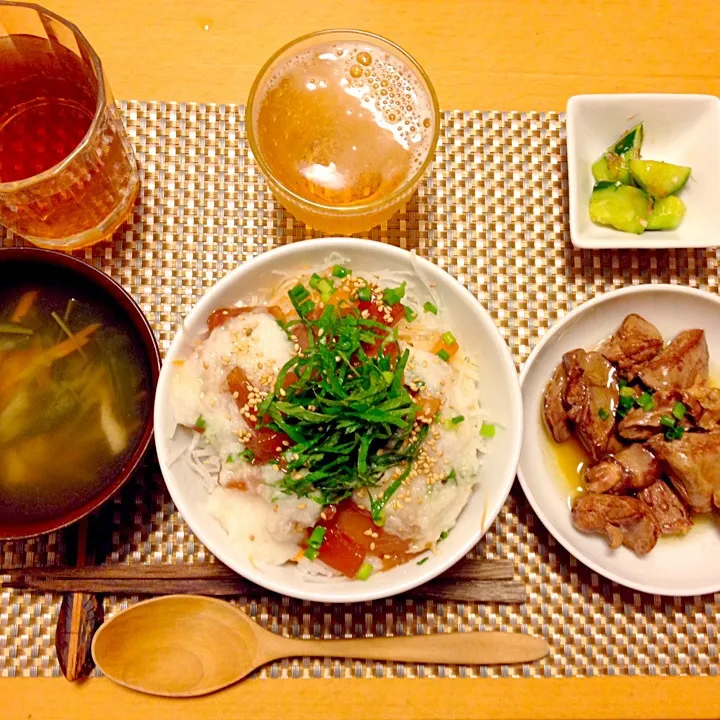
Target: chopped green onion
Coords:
[(316, 538), (452, 475), (424, 560), (448, 338), (443, 535), (667, 421), (410, 314), (646, 402), (247, 454), (326, 288), (487, 430), (389, 376), (379, 519), (679, 411), (675, 433), (201, 423), (311, 553), (306, 308), (626, 391), (429, 307), (364, 294), (365, 571), (457, 419), (229, 458), (298, 293), (622, 383), (314, 280), (443, 354), (392, 296), (603, 413), (340, 272), (626, 402)]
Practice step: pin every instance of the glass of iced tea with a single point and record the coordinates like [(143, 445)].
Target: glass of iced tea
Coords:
[(343, 124), (68, 176)]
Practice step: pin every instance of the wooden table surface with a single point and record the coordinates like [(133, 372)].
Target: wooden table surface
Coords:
[(486, 54)]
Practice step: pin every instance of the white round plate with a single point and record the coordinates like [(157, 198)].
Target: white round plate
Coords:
[(676, 566), (499, 390)]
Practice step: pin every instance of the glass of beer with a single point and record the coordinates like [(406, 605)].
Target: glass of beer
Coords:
[(343, 124), (68, 176)]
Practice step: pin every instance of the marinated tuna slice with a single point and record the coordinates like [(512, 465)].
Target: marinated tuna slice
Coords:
[(693, 464), (634, 344), (633, 468), (554, 412), (669, 513), (641, 424), (623, 520), (679, 365), (591, 397)]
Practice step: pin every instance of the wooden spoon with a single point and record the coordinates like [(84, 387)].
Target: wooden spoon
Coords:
[(189, 645)]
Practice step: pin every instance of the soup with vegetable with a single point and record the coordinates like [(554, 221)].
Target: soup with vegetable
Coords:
[(74, 393)]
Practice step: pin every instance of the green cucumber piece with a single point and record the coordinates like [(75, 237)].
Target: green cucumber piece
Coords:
[(629, 143), (667, 214), (659, 178), (623, 207), (613, 165), (612, 168)]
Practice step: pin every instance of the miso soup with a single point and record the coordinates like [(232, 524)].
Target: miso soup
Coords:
[(75, 392)]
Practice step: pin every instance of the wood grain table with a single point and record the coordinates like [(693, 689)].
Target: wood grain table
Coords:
[(485, 54)]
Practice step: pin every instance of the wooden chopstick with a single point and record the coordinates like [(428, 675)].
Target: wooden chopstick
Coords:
[(471, 580)]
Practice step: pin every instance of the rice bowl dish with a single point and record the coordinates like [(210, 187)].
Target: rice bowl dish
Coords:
[(335, 420)]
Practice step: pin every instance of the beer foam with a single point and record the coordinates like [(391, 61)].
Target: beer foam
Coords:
[(384, 83)]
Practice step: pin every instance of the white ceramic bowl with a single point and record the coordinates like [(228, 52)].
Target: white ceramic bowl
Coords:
[(676, 566), (680, 129), (500, 392)]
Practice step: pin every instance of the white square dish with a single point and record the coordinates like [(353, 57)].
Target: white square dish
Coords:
[(679, 129)]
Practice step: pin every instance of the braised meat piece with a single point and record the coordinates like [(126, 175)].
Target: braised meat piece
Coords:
[(641, 424), (623, 520), (668, 512), (633, 468), (680, 365), (554, 412), (634, 344), (605, 476), (693, 464), (703, 402), (591, 396)]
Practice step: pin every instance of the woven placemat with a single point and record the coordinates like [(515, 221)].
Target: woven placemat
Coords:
[(493, 213)]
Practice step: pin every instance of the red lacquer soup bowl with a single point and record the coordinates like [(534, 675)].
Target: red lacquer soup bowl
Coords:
[(78, 368)]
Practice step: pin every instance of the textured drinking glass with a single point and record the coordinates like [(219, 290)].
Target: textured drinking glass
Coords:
[(68, 176), (343, 124)]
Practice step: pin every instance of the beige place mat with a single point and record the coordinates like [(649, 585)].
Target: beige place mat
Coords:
[(493, 212)]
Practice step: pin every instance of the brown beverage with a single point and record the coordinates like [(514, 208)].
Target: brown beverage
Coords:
[(67, 174), (44, 113)]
